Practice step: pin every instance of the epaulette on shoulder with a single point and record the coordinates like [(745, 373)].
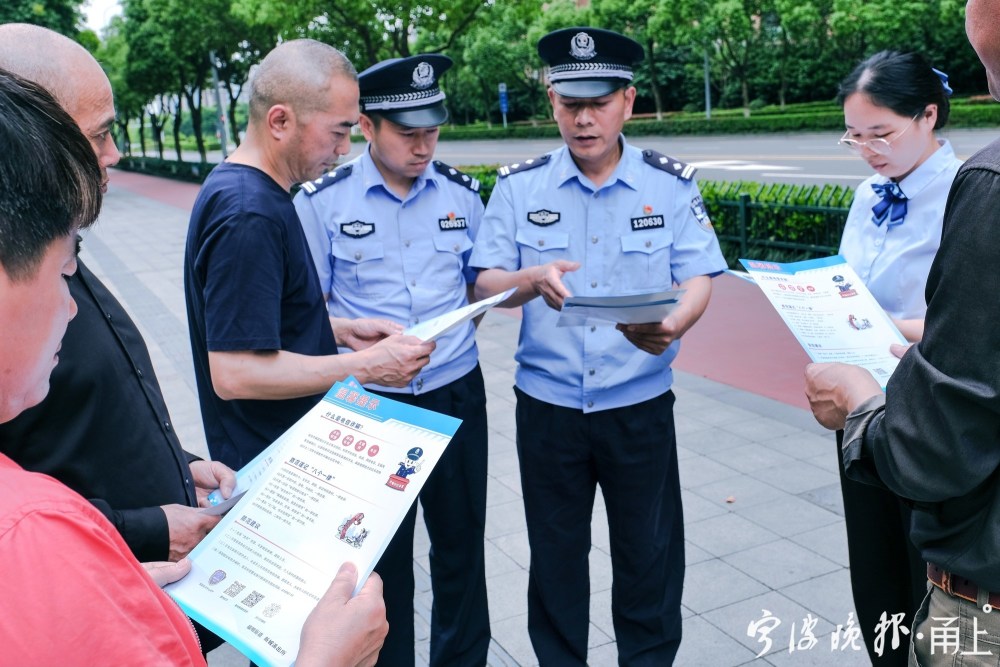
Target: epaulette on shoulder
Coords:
[(327, 179), (456, 176), (504, 172), (669, 164)]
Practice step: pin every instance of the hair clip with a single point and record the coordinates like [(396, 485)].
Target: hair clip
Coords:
[(944, 81)]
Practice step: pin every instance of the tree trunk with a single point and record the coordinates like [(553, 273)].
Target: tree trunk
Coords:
[(653, 84), (783, 65), (142, 131), (177, 130), (156, 122), (234, 131), (126, 148), (746, 95), (193, 97)]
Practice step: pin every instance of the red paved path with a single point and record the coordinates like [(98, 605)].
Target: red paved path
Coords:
[(739, 341)]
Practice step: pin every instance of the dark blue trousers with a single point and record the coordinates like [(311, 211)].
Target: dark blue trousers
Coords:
[(631, 452), (454, 504)]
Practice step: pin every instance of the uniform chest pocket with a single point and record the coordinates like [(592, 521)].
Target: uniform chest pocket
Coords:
[(644, 263), (358, 266), (445, 268), (541, 247)]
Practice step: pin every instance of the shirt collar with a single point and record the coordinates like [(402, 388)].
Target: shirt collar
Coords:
[(626, 172), (925, 174), (372, 177)]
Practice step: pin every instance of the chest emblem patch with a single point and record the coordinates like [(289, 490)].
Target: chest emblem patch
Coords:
[(357, 229), (543, 217)]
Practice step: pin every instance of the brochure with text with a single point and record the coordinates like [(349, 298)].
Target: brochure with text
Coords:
[(831, 312), (333, 488)]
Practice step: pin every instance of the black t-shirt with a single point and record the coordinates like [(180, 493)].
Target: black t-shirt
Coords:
[(250, 284)]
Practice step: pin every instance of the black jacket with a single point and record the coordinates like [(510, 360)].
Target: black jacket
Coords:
[(936, 441), (104, 429)]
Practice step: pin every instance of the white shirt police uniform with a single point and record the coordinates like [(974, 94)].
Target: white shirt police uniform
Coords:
[(402, 259), (643, 230), (894, 261)]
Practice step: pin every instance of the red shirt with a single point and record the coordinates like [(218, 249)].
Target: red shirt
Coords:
[(70, 592)]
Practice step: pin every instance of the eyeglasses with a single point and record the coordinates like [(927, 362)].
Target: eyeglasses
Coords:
[(878, 145)]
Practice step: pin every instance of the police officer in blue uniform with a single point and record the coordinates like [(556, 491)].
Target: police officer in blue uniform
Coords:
[(598, 217), (391, 234)]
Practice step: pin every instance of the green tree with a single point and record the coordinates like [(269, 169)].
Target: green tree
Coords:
[(644, 21), (113, 54), (234, 65), (494, 52), (151, 67), (171, 42), (63, 16), (862, 27), (367, 30)]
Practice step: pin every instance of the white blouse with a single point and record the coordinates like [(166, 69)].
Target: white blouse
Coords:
[(894, 261)]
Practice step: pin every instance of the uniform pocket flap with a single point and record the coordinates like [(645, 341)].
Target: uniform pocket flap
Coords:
[(646, 243), (542, 241), (454, 243), (352, 250)]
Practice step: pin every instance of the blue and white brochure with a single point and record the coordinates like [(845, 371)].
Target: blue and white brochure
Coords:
[(830, 312), (334, 488)]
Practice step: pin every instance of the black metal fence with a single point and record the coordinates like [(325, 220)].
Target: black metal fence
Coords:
[(778, 221)]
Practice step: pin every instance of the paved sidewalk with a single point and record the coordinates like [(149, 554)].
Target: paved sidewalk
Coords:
[(762, 506)]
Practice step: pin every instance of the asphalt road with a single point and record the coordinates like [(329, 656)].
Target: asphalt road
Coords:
[(813, 158), (793, 158)]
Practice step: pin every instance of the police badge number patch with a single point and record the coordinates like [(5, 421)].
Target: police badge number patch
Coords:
[(700, 214), (543, 217), (357, 229), (452, 222), (647, 222)]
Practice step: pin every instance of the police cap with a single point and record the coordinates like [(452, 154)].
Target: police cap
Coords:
[(588, 62), (405, 90)]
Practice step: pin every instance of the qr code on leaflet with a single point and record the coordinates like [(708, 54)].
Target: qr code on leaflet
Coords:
[(234, 589), (252, 599)]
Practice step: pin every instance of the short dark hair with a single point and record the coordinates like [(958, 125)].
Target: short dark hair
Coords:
[(298, 73), (50, 181), (901, 82)]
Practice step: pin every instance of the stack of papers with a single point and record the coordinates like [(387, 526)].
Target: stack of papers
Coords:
[(633, 309)]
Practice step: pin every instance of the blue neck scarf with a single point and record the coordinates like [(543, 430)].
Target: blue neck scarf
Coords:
[(892, 206)]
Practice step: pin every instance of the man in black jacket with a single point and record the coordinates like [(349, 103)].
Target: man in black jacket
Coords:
[(933, 438), (104, 429)]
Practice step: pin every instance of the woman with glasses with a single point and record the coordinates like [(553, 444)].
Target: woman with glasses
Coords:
[(893, 103)]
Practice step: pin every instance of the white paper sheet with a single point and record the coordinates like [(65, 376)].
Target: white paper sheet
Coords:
[(435, 328)]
